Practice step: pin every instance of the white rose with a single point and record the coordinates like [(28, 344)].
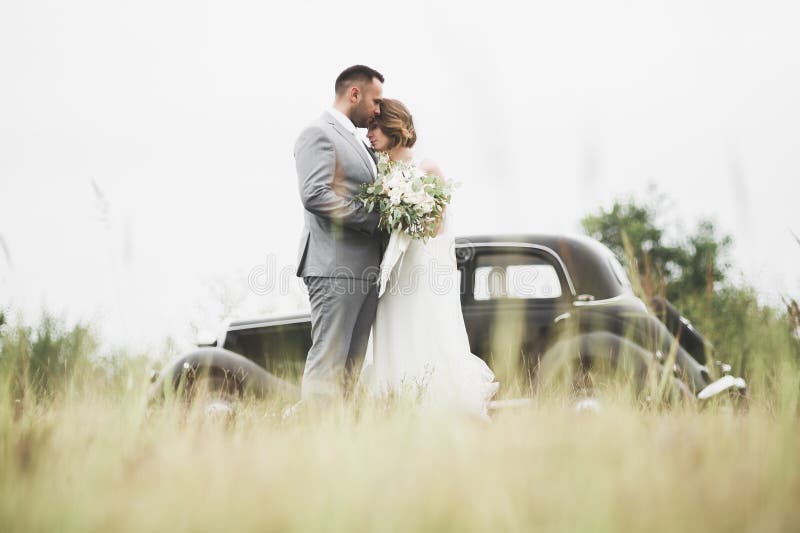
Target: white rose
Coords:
[(415, 197), (404, 187), (395, 196), (392, 181)]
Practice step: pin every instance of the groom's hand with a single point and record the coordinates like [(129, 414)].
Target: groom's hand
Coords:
[(315, 159)]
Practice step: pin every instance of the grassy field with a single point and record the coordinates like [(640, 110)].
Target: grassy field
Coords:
[(80, 450), (92, 457)]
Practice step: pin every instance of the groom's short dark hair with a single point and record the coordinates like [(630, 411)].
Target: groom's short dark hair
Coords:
[(356, 73)]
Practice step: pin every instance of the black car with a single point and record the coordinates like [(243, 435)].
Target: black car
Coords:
[(534, 305)]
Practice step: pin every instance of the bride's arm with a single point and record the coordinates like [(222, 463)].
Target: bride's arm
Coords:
[(431, 168)]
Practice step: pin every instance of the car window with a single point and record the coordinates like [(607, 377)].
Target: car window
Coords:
[(514, 276), (619, 272)]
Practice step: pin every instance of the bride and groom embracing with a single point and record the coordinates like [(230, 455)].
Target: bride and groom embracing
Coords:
[(418, 343)]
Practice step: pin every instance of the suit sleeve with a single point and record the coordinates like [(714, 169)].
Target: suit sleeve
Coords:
[(315, 159)]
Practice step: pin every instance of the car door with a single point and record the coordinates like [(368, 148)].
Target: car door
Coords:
[(511, 295), (280, 347)]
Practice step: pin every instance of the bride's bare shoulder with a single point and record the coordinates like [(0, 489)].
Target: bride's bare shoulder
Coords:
[(430, 167)]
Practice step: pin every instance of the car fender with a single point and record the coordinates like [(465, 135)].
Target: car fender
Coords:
[(244, 374)]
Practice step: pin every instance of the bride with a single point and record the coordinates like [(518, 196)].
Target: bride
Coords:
[(419, 341)]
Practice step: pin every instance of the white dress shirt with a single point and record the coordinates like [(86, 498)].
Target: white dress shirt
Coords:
[(347, 124)]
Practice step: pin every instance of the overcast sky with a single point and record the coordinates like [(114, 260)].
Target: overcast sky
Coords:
[(146, 146)]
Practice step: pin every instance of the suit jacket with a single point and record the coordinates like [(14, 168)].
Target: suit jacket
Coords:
[(340, 238)]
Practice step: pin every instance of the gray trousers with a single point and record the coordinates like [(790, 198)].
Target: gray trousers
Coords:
[(342, 313)]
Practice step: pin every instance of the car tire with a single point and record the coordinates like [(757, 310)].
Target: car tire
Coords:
[(587, 362)]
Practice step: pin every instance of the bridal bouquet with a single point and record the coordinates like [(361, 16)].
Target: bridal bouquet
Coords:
[(407, 199), (411, 205)]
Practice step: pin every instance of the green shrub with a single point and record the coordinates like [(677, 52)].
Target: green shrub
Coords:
[(43, 360)]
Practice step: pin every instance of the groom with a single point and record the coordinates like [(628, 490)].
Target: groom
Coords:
[(340, 250)]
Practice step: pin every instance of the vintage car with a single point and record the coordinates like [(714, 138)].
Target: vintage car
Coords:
[(538, 305)]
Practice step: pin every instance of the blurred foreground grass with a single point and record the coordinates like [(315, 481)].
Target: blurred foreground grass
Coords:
[(94, 458)]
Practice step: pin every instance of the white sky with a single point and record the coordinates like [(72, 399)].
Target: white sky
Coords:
[(183, 114)]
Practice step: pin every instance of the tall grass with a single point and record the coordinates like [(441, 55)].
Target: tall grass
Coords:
[(100, 463), (82, 450), (85, 453)]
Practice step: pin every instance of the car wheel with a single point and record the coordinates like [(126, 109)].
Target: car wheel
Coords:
[(214, 394), (601, 362)]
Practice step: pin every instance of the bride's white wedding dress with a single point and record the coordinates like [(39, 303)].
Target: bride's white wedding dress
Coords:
[(419, 343)]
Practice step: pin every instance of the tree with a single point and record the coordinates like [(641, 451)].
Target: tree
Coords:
[(691, 271), (687, 267)]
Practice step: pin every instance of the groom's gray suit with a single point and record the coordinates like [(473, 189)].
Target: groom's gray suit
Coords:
[(340, 253)]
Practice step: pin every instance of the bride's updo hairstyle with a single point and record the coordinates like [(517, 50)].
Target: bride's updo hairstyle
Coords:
[(396, 123)]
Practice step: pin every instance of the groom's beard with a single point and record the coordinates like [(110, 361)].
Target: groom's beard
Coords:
[(360, 118)]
